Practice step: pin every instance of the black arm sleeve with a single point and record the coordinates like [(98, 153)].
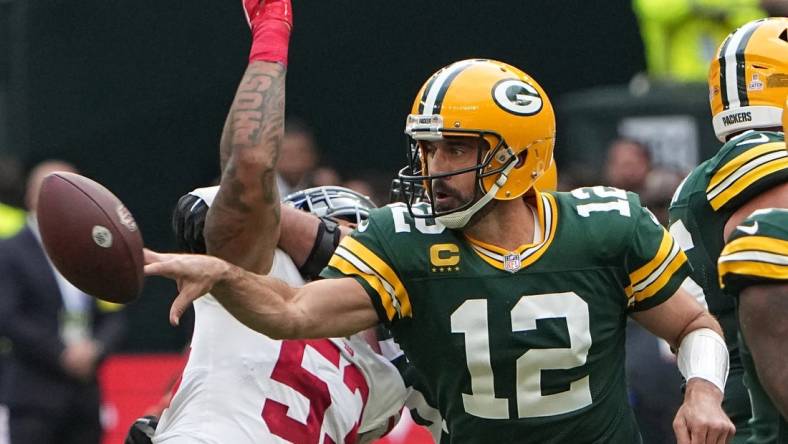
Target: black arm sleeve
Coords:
[(326, 242)]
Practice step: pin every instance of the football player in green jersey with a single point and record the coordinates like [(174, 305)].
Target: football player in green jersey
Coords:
[(753, 267), (512, 302), (748, 172)]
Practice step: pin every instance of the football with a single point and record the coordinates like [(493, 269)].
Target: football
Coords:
[(91, 237)]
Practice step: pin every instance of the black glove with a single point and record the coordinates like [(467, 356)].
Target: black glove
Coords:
[(141, 432), (188, 221)]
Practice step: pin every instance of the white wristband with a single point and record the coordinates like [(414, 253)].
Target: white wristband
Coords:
[(703, 354)]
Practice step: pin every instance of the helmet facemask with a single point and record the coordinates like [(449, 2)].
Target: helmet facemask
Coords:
[(416, 175), (335, 202)]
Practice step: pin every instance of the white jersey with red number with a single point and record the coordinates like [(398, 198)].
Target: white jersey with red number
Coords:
[(242, 387)]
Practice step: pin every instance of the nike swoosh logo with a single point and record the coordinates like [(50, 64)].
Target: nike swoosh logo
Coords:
[(751, 230), (762, 138)]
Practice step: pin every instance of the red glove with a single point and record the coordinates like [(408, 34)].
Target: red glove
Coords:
[(271, 22)]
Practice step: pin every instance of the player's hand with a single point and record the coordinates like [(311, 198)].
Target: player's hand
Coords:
[(188, 222), (141, 432), (195, 275), (700, 418)]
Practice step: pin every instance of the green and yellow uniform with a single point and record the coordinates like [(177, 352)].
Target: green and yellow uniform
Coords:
[(523, 346), (757, 254), (744, 167)]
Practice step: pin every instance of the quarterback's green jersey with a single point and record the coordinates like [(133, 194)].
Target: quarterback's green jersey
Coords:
[(520, 346), (744, 167), (757, 253)]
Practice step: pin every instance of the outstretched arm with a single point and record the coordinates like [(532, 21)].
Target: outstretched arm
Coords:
[(324, 308), (243, 223)]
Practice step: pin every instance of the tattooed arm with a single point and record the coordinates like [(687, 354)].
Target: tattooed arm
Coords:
[(242, 226)]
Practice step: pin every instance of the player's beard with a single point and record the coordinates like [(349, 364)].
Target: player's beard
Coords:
[(458, 199), (448, 198)]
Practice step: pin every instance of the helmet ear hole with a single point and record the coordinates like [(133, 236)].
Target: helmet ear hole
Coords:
[(521, 159), (784, 35)]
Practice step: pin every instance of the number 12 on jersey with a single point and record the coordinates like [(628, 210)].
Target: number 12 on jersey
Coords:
[(471, 319)]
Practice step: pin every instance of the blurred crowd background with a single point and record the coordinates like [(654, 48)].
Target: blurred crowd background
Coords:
[(133, 94)]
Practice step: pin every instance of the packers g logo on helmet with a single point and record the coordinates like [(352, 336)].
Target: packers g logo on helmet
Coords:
[(748, 79), (497, 103), (517, 97)]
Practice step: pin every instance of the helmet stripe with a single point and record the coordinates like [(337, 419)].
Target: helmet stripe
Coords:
[(740, 65), (723, 80), (426, 91), (436, 91), (735, 82)]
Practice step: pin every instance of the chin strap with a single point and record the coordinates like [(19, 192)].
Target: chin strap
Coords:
[(459, 219)]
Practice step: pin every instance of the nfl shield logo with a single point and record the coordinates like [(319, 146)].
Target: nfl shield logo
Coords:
[(511, 262)]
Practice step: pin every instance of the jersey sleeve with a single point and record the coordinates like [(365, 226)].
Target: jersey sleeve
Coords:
[(363, 256), (654, 261), (748, 169), (756, 252)]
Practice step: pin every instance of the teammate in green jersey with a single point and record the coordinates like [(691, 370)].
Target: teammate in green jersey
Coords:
[(751, 166), (753, 267), (510, 301)]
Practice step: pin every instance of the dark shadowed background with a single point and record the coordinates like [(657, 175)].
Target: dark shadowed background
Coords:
[(135, 93)]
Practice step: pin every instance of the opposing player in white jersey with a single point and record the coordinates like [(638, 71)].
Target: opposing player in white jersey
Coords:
[(240, 386)]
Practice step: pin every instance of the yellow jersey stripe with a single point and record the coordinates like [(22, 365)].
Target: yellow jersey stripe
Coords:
[(529, 253), (544, 220), (750, 268), (349, 269), (663, 279), (551, 217), (741, 160), (364, 268), (757, 243), (748, 179), (755, 256), (497, 263), (662, 253), (381, 268)]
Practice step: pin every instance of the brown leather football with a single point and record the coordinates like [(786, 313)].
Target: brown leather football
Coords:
[(91, 237)]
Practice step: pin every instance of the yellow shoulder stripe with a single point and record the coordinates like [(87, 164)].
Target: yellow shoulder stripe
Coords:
[(738, 161), (663, 279), (349, 269), (662, 253), (748, 179), (747, 268), (757, 243), (382, 269)]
